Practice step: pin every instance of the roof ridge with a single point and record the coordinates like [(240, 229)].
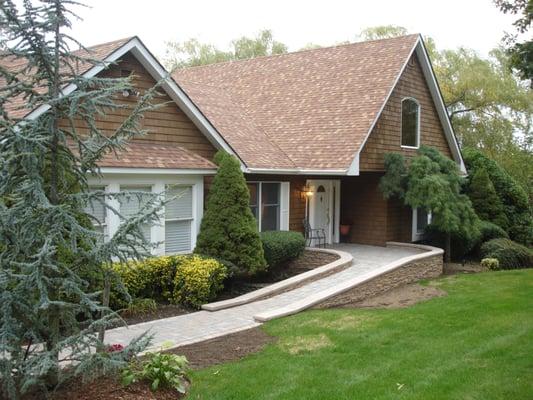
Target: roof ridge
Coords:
[(271, 56)]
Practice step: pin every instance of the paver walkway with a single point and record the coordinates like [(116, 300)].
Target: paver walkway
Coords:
[(203, 325)]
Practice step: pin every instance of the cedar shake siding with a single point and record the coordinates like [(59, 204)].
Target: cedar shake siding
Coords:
[(386, 134), (167, 124)]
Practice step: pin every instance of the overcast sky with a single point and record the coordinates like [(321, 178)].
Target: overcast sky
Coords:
[(472, 23)]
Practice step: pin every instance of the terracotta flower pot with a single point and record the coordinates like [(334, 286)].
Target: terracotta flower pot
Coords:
[(345, 229)]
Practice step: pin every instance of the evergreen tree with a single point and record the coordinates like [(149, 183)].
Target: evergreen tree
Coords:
[(485, 200), (47, 244), (433, 182), (229, 229)]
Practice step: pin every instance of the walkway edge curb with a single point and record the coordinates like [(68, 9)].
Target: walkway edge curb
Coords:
[(343, 262), (349, 284)]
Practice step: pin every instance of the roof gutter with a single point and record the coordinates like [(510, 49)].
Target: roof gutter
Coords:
[(295, 171)]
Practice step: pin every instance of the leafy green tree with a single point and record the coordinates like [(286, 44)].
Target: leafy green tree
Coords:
[(512, 195), (193, 53), (382, 32), (47, 246), (229, 230), (521, 53), (432, 181), (486, 202)]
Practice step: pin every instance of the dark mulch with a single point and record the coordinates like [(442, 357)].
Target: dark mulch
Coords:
[(111, 388), (307, 261), (224, 349)]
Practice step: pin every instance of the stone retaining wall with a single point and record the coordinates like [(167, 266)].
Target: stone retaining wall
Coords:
[(424, 268)]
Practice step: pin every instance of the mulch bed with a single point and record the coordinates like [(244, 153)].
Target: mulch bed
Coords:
[(200, 355), (467, 267), (225, 348)]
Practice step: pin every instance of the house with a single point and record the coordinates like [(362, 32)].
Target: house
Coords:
[(310, 129)]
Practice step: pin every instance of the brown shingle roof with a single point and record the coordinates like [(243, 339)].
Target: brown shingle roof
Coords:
[(310, 109), (17, 107), (155, 155)]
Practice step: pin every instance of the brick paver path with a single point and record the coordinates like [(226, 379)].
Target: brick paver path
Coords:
[(202, 325)]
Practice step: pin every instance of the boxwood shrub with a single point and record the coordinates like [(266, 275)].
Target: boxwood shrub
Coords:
[(198, 280), (282, 246), (510, 255), (186, 279)]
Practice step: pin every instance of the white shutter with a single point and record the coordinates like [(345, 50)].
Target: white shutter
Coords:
[(181, 204), (284, 206), (130, 206), (178, 219), (177, 236)]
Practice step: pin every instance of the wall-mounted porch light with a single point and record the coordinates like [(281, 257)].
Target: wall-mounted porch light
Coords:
[(307, 191)]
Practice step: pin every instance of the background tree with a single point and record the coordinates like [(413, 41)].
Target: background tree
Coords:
[(192, 52), (512, 195), (520, 52), (382, 32), (432, 182), (47, 242), (485, 201), (229, 230)]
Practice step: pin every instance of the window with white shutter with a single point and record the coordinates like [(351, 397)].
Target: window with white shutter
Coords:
[(178, 219), (131, 204), (97, 210)]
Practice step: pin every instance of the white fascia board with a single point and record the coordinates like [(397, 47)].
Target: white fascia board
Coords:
[(439, 104), (296, 171), (354, 167), (155, 69), (156, 171)]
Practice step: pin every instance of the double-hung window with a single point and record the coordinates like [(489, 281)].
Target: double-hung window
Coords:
[(132, 201), (265, 203), (421, 219), (97, 210), (410, 123), (178, 219)]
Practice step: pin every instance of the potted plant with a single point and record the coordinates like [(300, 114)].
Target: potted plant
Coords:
[(345, 228)]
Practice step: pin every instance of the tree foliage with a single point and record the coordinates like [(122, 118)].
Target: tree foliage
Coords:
[(520, 52), (486, 202), (513, 197), (382, 32), (433, 182), (47, 243), (229, 230), (193, 52)]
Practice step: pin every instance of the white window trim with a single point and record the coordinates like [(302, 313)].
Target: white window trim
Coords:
[(284, 199), (417, 124), (113, 182), (415, 234)]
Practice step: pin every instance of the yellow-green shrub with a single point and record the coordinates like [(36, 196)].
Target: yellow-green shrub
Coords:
[(198, 280), (149, 278)]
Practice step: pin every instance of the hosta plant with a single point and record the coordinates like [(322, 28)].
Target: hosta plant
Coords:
[(160, 370)]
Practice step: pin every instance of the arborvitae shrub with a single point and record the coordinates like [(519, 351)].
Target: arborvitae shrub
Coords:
[(486, 202), (229, 230), (513, 196)]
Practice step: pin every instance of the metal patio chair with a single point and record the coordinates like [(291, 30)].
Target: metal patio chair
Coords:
[(314, 234)]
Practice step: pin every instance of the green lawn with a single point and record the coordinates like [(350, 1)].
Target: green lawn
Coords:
[(475, 343)]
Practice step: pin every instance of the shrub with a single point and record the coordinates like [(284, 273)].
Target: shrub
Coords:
[(490, 263), (229, 230), (511, 255), (514, 198), (282, 246), (486, 202), (198, 280), (159, 370), (151, 278)]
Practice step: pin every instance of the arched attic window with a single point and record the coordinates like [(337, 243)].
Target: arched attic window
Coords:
[(410, 123)]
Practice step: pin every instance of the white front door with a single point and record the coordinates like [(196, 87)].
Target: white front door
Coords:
[(324, 205)]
